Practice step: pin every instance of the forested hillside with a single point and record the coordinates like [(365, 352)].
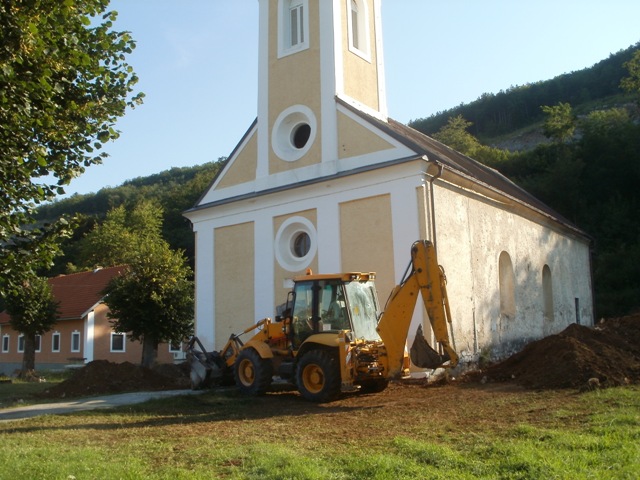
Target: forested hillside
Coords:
[(588, 169), (175, 190), (495, 114)]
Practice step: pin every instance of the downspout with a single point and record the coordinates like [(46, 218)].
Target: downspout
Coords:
[(433, 206)]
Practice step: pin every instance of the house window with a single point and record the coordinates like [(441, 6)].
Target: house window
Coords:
[(293, 26), (38, 343), (5, 343), (118, 342), (358, 27), (20, 343), (175, 347), (55, 342), (507, 286), (547, 293), (75, 341)]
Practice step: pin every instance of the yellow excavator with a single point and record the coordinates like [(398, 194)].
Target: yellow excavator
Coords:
[(332, 337)]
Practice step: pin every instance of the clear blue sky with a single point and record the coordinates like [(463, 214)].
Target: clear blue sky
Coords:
[(197, 63)]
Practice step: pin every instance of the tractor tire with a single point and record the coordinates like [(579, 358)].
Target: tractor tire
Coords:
[(374, 386), (252, 373), (318, 376)]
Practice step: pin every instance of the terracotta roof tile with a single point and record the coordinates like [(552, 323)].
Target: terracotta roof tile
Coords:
[(78, 292)]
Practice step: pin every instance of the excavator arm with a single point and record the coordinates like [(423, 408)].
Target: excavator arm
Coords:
[(424, 276)]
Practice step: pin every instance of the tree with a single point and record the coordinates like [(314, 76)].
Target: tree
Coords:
[(33, 311), (64, 82), (117, 239), (153, 300), (560, 123), (631, 83), (455, 135)]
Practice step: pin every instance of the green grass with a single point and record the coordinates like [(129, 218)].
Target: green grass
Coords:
[(20, 392), (561, 435)]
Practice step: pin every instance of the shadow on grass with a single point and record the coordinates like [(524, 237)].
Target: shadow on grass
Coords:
[(220, 405)]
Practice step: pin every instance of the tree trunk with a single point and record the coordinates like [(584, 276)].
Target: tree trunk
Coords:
[(29, 356), (149, 352)]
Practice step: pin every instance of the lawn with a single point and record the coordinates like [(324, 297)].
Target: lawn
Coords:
[(493, 431)]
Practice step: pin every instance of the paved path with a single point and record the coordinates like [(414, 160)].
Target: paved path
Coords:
[(89, 403)]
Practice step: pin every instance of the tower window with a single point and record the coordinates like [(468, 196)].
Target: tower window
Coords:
[(293, 26), (296, 15), (357, 19)]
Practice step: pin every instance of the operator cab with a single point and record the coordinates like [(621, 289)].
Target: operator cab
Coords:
[(332, 303)]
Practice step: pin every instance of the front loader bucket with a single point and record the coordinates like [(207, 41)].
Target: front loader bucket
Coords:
[(207, 368), (422, 355)]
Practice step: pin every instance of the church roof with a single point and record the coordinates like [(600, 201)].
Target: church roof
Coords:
[(437, 152)]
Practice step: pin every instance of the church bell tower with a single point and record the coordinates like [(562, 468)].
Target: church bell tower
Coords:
[(311, 53)]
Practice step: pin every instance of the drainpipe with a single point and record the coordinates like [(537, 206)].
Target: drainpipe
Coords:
[(433, 206)]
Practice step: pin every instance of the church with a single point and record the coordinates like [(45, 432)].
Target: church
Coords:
[(324, 180)]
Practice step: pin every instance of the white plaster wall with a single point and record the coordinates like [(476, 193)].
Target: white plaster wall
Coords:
[(471, 234)]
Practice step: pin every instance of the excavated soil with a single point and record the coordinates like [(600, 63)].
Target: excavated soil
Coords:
[(580, 357), (101, 377), (607, 355)]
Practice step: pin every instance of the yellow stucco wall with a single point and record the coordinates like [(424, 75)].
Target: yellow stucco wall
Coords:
[(234, 280), (354, 139), (366, 240), (244, 166), (361, 75)]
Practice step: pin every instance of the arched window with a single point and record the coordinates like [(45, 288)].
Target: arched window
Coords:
[(547, 293), (293, 26), (358, 22), (507, 286)]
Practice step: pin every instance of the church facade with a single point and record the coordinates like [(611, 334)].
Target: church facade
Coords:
[(324, 179)]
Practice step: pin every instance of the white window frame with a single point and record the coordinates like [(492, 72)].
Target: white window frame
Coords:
[(38, 343), (124, 342), (175, 350), (53, 342), (20, 343), (285, 14), (359, 38), (76, 334), (6, 343)]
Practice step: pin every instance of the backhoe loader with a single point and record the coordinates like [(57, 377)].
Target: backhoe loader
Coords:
[(332, 337)]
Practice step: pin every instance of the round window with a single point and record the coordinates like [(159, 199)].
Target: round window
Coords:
[(296, 244), (301, 244), (301, 135), (293, 133)]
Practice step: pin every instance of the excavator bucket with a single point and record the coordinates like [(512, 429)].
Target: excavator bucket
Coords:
[(207, 368), (423, 355)]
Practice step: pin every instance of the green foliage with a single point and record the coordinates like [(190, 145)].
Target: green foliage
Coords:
[(519, 106), (631, 83), (174, 190), (153, 300), (455, 135), (32, 310), (560, 124), (117, 240), (64, 82)]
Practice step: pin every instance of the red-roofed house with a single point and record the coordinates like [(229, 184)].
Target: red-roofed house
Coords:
[(83, 332)]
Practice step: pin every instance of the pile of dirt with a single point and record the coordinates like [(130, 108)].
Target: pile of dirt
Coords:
[(102, 377), (580, 357)]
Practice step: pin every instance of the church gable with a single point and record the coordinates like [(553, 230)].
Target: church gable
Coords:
[(355, 139), (239, 170)]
